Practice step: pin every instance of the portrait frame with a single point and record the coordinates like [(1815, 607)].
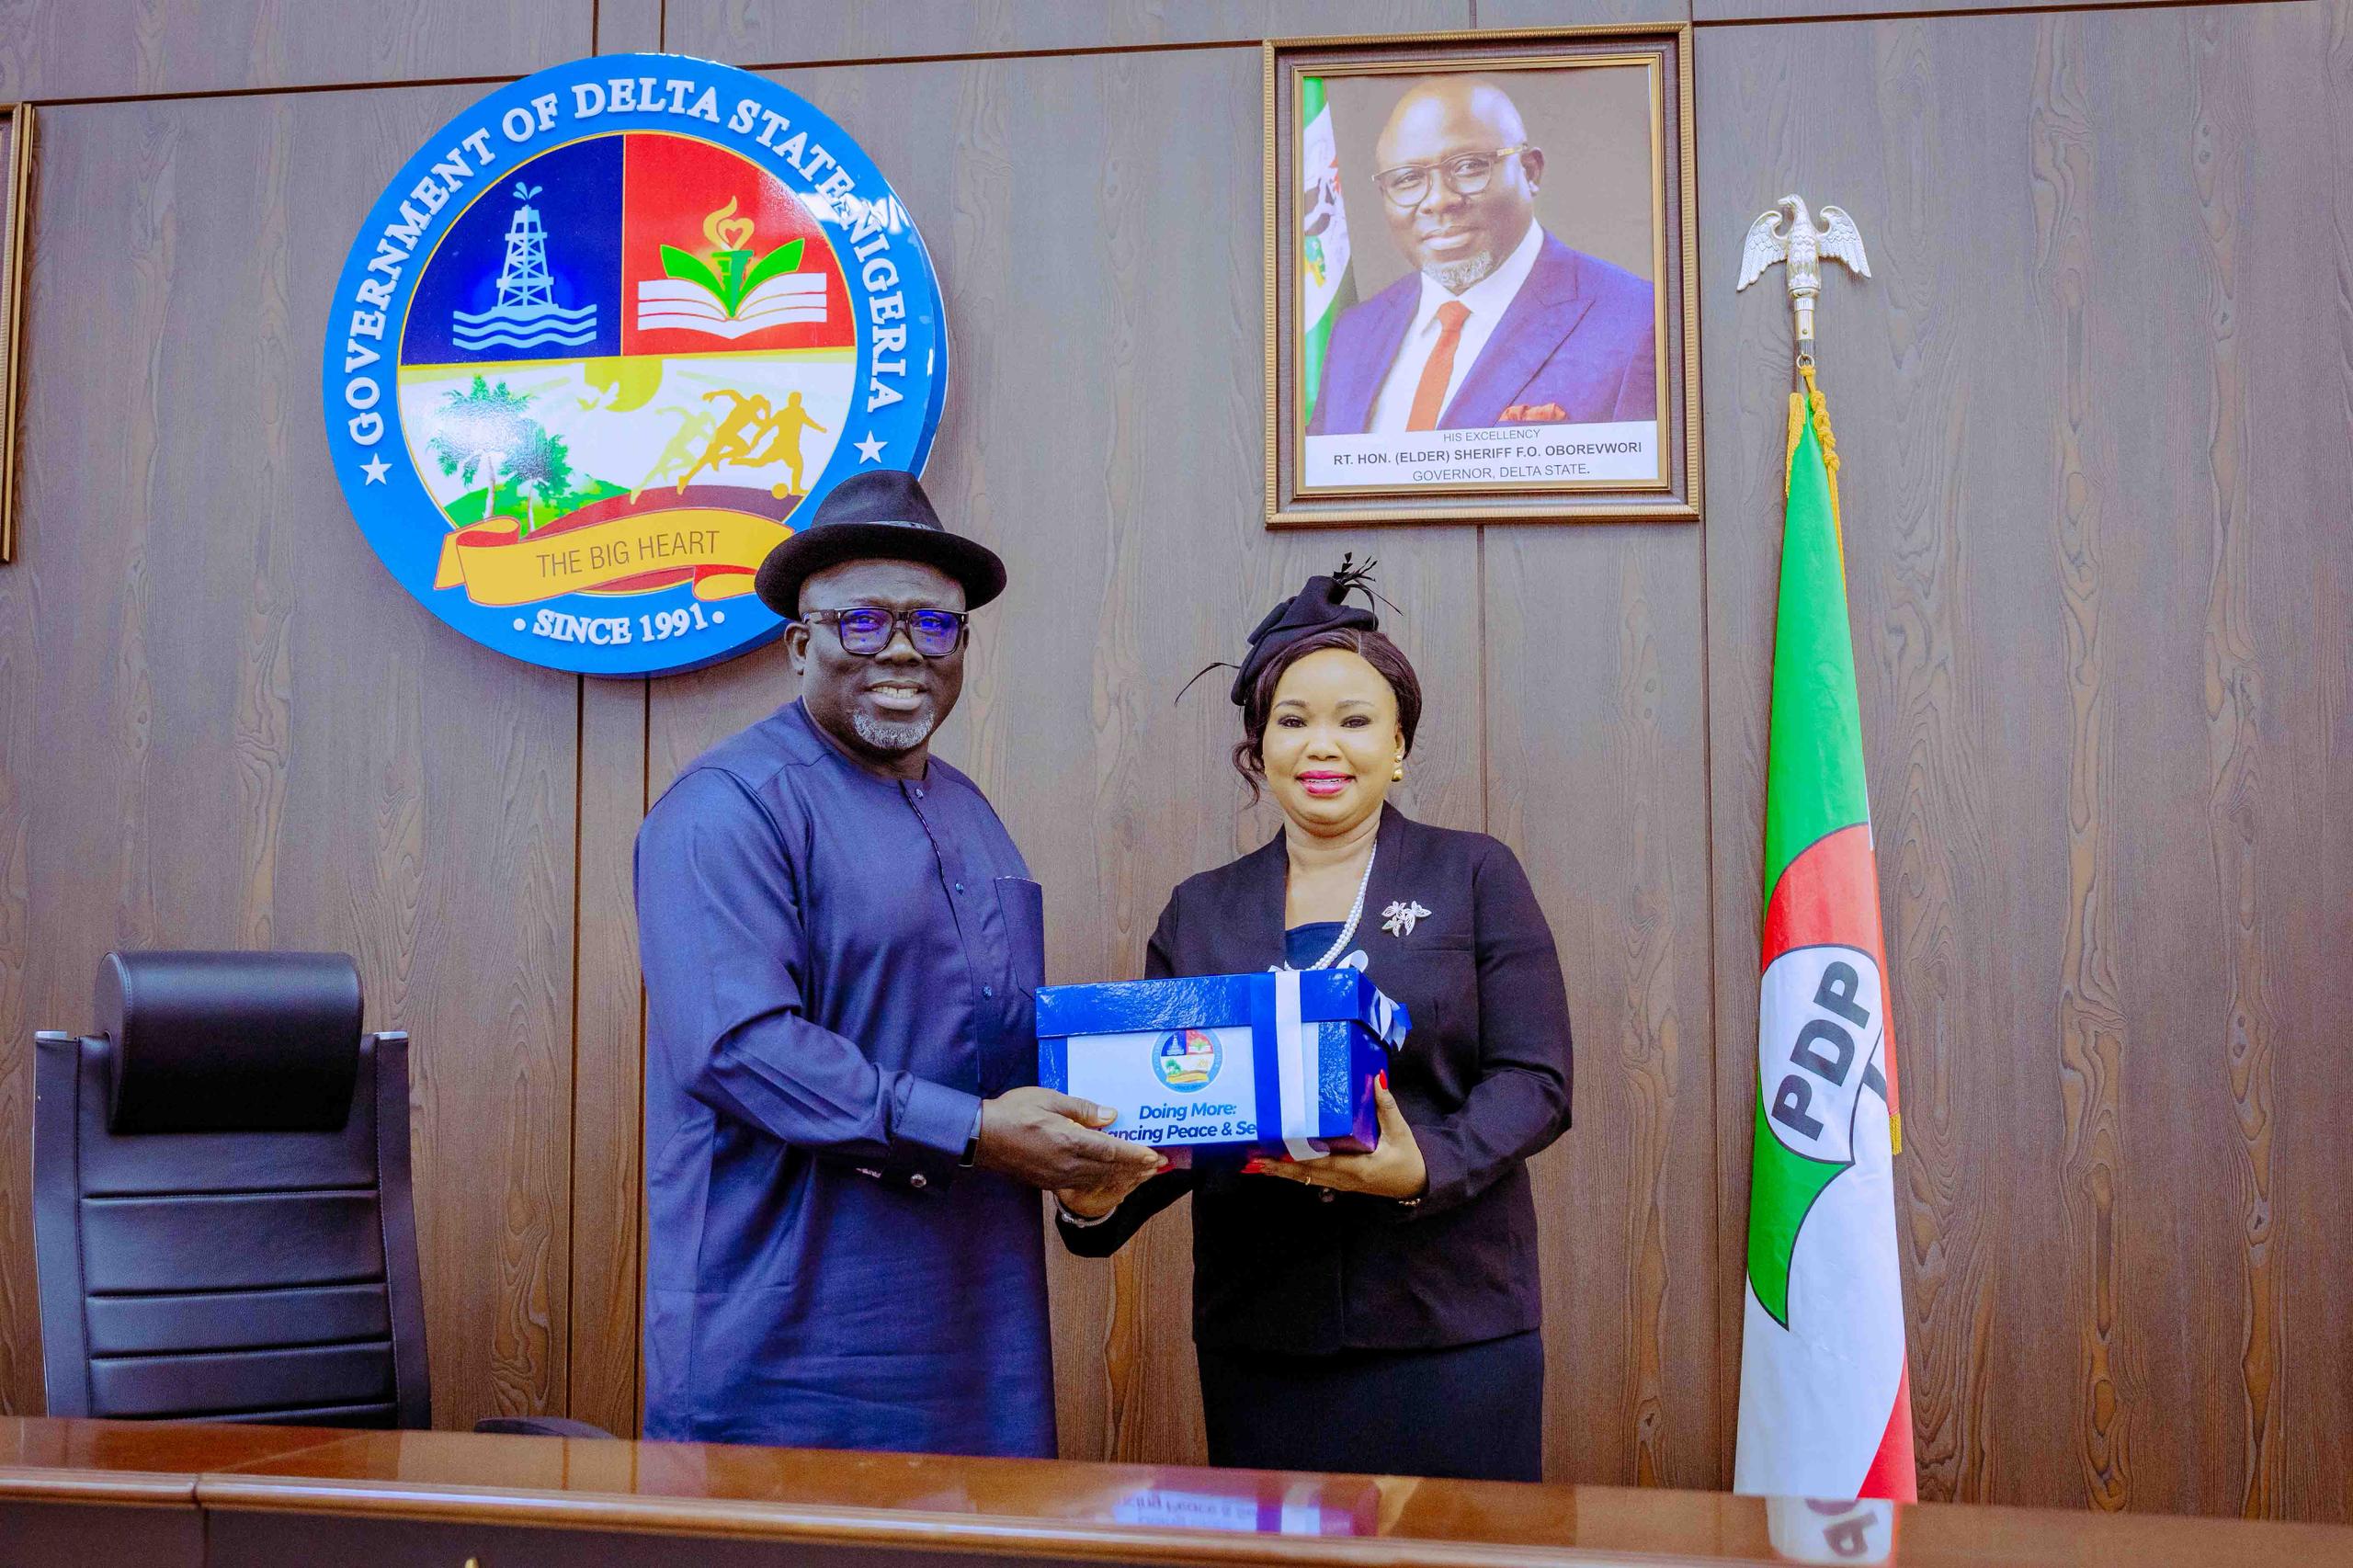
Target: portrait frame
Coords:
[(15, 204), (1538, 489)]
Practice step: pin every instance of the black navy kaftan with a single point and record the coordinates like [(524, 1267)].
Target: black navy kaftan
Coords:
[(838, 967)]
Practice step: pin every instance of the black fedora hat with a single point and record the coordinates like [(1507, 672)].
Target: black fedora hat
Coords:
[(882, 513)]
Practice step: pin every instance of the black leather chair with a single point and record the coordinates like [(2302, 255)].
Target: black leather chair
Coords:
[(222, 1219)]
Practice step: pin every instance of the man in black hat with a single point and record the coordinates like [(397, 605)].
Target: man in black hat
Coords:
[(842, 1126)]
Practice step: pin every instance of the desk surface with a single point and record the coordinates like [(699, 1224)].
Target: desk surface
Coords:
[(922, 1506)]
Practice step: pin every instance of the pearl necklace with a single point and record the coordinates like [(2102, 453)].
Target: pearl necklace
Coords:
[(1355, 912)]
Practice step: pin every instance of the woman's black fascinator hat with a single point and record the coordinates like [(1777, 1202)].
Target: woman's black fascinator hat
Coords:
[(1322, 606)]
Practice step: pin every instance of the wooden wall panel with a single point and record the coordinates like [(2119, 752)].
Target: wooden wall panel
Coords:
[(90, 49), (607, 1122), (1599, 781), (2295, 462), (242, 732), (1579, 13), (2094, 410), (792, 32), (1104, 434), (20, 1373), (2091, 563), (1803, 10), (627, 27), (2278, 613)]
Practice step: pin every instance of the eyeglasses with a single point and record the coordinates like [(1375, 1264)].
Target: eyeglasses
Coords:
[(866, 632), (1466, 174)]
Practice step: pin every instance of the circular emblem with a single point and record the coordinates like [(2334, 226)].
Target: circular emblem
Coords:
[(604, 338), (1187, 1059)]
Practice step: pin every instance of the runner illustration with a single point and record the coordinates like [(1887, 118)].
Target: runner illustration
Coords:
[(730, 444), (737, 442), (694, 426), (784, 444)]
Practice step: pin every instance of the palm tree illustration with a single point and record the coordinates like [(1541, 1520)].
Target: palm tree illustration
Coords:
[(485, 437)]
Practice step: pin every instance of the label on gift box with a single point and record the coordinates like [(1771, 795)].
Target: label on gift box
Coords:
[(1185, 1086), (1283, 1060)]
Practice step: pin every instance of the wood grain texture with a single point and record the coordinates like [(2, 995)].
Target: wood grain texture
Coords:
[(2300, 469), (608, 1125), (272, 1496), (1599, 783), (935, 1511), (20, 1366), (1102, 436), (1800, 10), (2086, 652), (2093, 1027), (627, 27), (1579, 13), (88, 48), (795, 33), (246, 733)]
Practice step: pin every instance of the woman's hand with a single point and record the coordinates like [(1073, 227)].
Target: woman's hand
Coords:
[(1394, 1170)]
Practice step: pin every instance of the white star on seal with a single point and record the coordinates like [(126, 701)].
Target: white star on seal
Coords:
[(869, 450), (375, 469)]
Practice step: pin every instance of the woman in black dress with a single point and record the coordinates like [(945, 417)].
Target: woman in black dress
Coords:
[(1369, 1312)]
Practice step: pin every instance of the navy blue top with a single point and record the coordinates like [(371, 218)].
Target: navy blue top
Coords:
[(1302, 945), (837, 967)]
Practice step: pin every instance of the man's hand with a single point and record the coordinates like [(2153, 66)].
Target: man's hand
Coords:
[(1050, 1140), (1094, 1202), (1394, 1170)]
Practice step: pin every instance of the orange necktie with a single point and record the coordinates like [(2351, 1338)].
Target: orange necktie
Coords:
[(1429, 393)]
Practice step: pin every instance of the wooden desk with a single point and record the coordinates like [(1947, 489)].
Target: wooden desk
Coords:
[(119, 1492), (106, 1492)]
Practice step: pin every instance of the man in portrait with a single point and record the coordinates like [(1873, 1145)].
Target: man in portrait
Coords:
[(1498, 323)]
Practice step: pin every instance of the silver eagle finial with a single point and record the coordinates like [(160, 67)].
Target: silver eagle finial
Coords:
[(1804, 248)]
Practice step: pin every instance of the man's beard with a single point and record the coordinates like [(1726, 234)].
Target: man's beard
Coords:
[(892, 737), (1456, 276)]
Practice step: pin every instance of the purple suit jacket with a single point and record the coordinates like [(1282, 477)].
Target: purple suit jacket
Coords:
[(1578, 333)]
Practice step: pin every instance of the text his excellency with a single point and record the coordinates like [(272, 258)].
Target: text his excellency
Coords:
[(1499, 322)]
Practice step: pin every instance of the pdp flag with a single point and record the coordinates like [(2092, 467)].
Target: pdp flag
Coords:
[(1325, 287), (1825, 1402)]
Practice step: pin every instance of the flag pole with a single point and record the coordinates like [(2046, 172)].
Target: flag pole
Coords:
[(1825, 1385)]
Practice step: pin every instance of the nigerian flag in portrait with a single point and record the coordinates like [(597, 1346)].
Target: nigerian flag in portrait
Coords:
[(1325, 285)]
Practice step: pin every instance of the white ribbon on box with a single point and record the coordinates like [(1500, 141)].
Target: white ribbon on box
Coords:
[(1291, 1072)]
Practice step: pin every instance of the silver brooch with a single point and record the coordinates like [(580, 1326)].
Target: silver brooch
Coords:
[(1398, 918)]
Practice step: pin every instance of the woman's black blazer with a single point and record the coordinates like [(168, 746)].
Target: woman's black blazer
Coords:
[(1483, 1079)]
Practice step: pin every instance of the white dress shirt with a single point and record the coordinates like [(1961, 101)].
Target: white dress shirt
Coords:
[(1486, 301)]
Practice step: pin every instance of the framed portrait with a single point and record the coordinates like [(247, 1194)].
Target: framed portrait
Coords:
[(1480, 261)]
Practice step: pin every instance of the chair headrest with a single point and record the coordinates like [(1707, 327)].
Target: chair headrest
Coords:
[(230, 1042)]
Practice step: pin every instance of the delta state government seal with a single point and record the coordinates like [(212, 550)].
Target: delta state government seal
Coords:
[(604, 338)]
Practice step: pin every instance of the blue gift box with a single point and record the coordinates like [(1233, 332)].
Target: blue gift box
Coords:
[(1283, 1062)]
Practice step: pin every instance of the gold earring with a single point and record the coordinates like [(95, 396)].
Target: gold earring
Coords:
[(1397, 774)]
